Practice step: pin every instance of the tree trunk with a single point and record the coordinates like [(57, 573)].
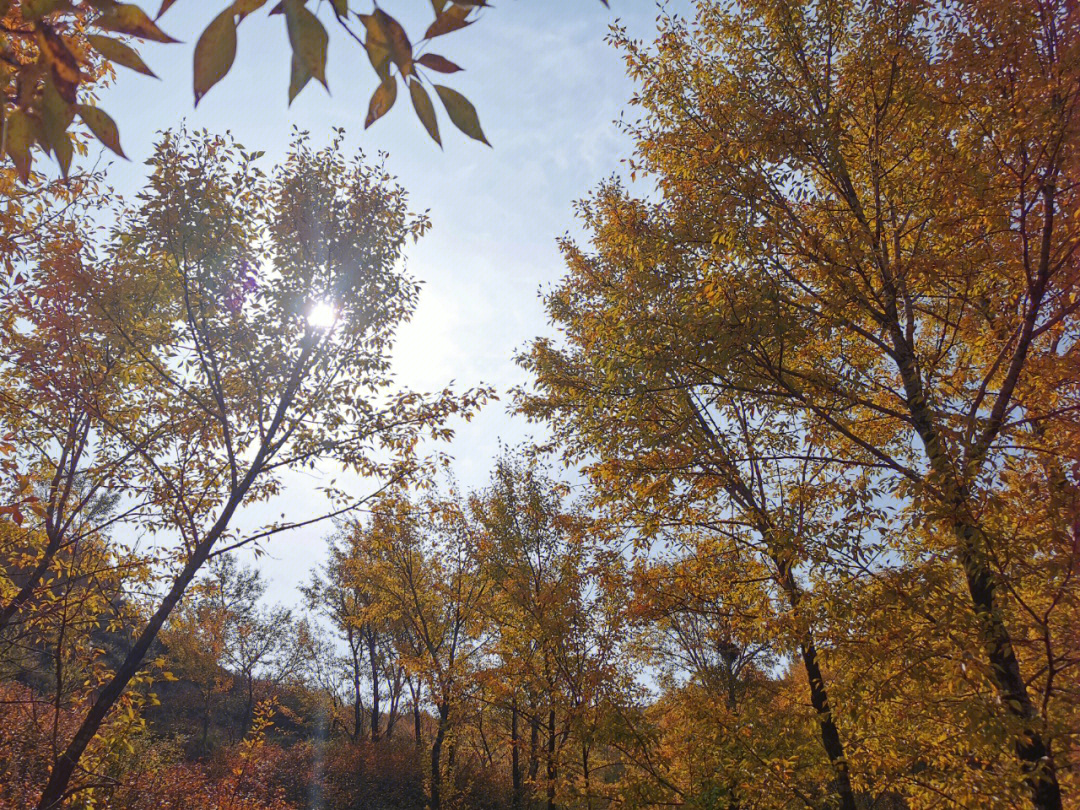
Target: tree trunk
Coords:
[(249, 709), (819, 696), (534, 748), (358, 709), (830, 735), (515, 758), (436, 756), (393, 684), (585, 775), (32, 581), (552, 768), (55, 525), (373, 659), (1040, 772), (415, 693), (1035, 757), (56, 788)]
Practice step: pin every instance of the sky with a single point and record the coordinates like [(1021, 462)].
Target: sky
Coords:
[(549, 91)]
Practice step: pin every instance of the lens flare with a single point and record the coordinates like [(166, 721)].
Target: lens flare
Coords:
[(322, 315)]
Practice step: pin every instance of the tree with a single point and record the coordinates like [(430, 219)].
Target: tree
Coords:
[(65, 466), (221, 630), (64, 648), (551, 642), (330, 595), (214, 282), (870, 212), (687, 463), (366, 629), (418, 561)]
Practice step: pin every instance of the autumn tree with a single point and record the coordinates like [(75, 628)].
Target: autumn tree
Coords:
[(729, 490), (866, 216), (367, 631), (63, 649), (330, 597), (215, 280), (222, 632), (65, 467), (418, 560), (552, 646)]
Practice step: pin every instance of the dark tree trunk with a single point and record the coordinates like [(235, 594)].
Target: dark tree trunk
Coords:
[(585, 775), (358, 709), (515, 758), (534, 747), (415, 694), (56, 788), (436, 756), (249, 706), (373, 659), (552, 768), (819, 697), (1035, 757), (830, 735)]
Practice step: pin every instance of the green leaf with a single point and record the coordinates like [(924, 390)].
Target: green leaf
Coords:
[(214, 53), (461, 112), (119, 52), (452, 19), (125, 18), (425, 110), (308, 38), (102, 125), (433, 61), (381, 101)]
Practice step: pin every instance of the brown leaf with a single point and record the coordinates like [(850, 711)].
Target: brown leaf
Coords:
[(452, 19), (36, 9), (62, 62), (298, 79), (425, 110), (461, 112), (214, 53), (119, 52), (307, 37), (376, 45), (381, 101), (126, 18), (396, 39), (19, 137), (56, 117), (433, 61), (102, 125)]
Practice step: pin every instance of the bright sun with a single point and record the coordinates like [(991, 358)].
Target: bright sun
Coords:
[(322, 315)]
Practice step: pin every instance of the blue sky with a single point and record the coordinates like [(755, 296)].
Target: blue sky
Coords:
[(548, 90)]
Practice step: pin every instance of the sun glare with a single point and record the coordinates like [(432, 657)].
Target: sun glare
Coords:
[(322, 315)]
